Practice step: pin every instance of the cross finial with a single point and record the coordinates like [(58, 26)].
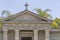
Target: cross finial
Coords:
[(26, 5)]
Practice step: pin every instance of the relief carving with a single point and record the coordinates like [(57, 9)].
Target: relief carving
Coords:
[(26, 34)]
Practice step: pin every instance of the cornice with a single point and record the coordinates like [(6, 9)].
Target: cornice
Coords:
[(25, 22)]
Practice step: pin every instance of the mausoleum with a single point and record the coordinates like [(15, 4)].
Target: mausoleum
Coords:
[(27, 25)]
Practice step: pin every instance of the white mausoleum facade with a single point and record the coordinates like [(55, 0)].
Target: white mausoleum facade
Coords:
[(27, 25)]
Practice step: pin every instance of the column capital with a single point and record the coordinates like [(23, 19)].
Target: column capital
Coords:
[(35, 30), (47, 30), (5, 30), (16, 30)]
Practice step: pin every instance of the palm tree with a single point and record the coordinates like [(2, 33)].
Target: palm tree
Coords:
[(44, 13), (5, 13)]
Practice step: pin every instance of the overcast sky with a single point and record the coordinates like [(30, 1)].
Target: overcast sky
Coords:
[(15, 6)]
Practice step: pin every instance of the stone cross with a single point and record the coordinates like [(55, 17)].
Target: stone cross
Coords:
[(26, 5)]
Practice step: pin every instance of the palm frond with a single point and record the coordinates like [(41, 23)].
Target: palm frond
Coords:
[(39, 11), (47, 10), (5, 12)]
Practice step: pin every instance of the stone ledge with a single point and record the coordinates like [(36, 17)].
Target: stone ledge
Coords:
[(54, 29)]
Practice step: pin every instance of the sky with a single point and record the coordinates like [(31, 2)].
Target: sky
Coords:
[(15, 6)]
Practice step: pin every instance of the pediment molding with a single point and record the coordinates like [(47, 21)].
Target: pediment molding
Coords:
[(25, 12)]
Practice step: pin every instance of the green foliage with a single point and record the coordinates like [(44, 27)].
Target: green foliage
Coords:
[(44, 13), (56, 23), (1, 25), (4, 14)]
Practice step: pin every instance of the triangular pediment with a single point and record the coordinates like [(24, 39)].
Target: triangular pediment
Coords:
[(26, 16)]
